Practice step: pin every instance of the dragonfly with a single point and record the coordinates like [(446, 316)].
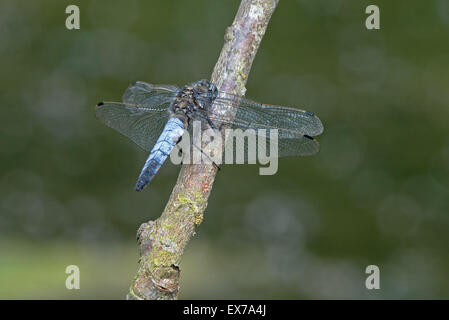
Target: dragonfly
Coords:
[(155, 117)]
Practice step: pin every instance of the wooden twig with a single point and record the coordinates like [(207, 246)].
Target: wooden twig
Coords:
[(162, 241)]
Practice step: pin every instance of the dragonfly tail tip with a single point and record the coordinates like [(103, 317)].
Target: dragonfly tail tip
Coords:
[(140, 185)]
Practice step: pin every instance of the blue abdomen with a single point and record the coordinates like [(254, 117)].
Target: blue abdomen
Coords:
[(171, 134)]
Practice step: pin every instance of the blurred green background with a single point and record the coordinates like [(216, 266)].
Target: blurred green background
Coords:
[(377, 193)]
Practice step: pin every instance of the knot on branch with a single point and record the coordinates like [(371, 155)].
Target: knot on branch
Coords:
[(162, 284), (229, 34), (144, 237), (166, 279)]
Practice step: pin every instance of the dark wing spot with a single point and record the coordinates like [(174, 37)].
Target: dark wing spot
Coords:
[(308, 137), (133, 83), (100, 104), (310, 113)]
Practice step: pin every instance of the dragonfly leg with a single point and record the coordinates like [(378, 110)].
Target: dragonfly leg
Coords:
[(213, 162), (211, 124)]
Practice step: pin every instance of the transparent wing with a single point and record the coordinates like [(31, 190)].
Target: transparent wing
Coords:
[(143, 113), (286, 119), (140, 124), (149, 95), (295, 127)]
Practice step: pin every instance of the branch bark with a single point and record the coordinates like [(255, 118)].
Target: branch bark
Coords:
[(162, 242)]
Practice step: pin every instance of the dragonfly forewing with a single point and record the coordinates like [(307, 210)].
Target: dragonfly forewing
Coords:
[(149, 95), (270, 116), (142, 115), (295, 127)]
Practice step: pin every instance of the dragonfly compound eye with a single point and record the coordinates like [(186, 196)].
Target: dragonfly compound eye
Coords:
[(204, 93)]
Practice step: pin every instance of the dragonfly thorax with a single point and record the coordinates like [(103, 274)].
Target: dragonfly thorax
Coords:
[(193, 99)]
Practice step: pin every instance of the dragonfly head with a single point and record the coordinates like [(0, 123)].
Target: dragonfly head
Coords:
[(204, 93)]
